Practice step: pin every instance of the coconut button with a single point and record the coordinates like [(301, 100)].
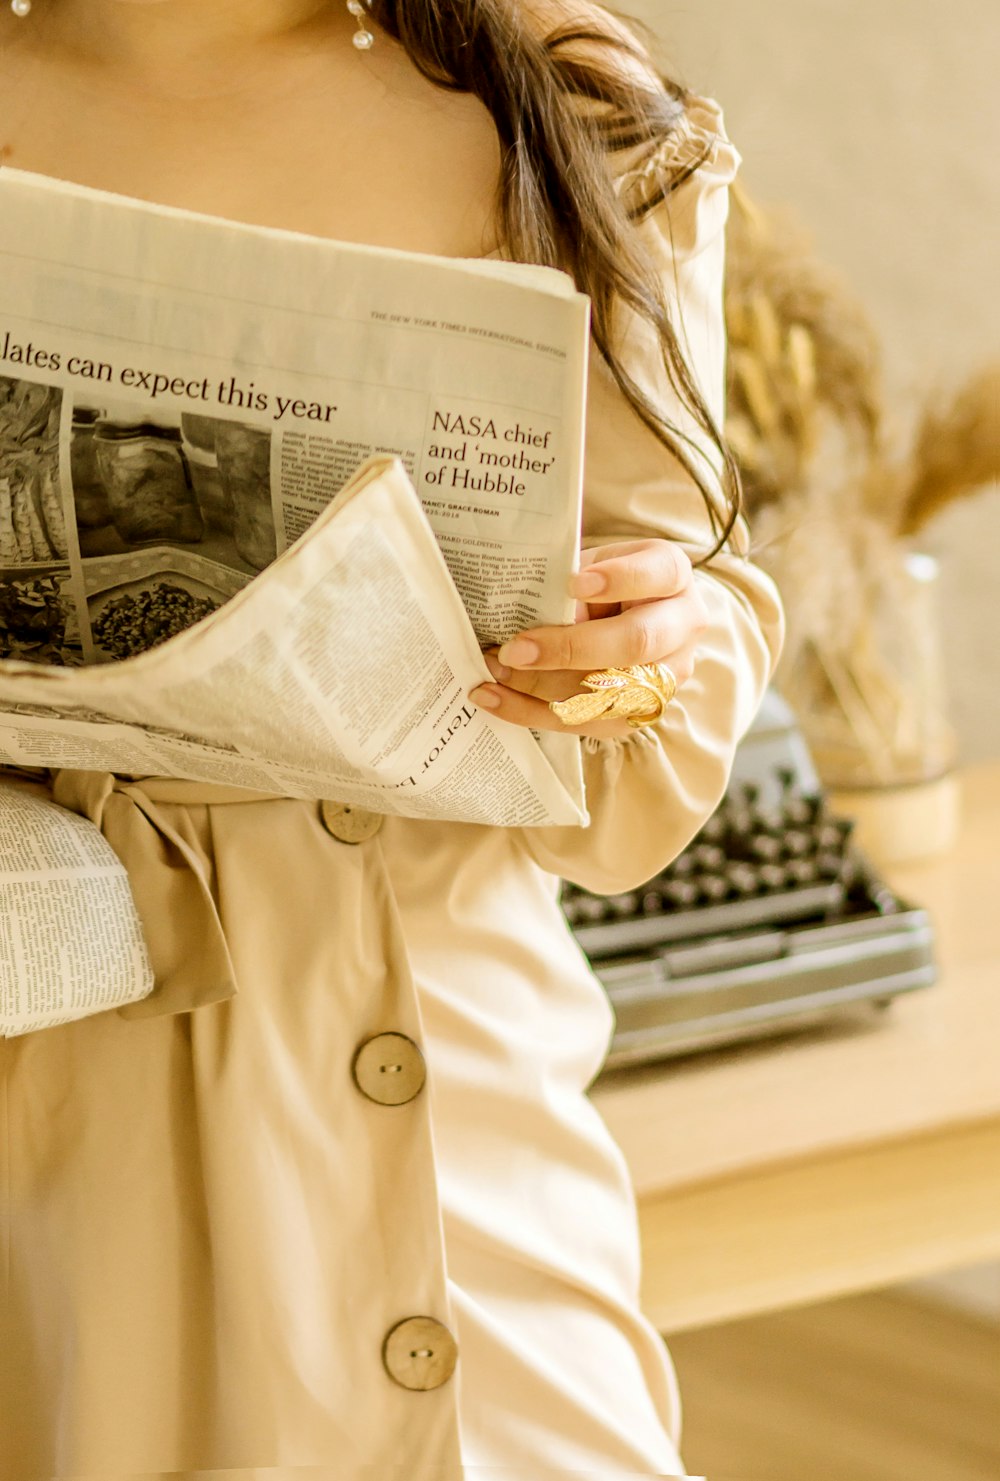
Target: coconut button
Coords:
[(349, 824), (419, 1353), (389, 1069)]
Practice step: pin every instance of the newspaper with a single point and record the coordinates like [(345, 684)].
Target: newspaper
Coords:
[(341, 671), (182, 591), (70, 939)]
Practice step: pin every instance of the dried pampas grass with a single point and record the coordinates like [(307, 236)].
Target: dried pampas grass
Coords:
[(802, 355), (956, 452), (832, 511)]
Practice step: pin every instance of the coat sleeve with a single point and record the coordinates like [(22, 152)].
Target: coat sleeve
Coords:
[(650, 793)]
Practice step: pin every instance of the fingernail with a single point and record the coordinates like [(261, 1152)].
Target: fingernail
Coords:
[(485, 697), (590, 583), (497, 669), (520, 653)]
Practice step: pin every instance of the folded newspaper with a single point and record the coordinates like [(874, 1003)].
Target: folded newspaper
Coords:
[(264, 499), (193, 581), (71, 942)]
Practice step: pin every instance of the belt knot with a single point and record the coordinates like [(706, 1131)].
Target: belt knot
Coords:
[(180, 922)]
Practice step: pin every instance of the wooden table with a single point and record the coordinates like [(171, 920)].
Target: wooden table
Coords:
[(848, 1157)]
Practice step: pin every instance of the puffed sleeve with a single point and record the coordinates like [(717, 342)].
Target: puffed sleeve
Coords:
[(650, 793)]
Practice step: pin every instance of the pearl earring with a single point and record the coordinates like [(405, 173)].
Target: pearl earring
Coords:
[(362, 38)]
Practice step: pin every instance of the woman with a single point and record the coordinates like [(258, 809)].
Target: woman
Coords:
[(230, 1251)]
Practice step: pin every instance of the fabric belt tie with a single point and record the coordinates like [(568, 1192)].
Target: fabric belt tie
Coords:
[(183, 933)]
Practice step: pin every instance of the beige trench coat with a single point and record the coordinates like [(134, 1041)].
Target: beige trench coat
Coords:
[(332, 1202)]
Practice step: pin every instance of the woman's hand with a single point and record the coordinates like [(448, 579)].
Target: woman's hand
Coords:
[(636, 603)]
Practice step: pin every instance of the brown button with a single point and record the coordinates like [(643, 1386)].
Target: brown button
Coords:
[(349, 824), (389, 1069), (419, 1353)]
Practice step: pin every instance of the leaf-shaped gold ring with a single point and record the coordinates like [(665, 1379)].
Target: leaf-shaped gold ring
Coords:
[(638, 694)]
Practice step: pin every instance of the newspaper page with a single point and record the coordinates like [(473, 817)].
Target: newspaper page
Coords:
[(265, 693), (70, 938), (181, 397)]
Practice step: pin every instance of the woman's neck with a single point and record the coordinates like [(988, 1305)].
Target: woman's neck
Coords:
[(159, 35), (141, 51)]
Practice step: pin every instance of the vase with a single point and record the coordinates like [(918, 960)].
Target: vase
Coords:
[(874, 712)]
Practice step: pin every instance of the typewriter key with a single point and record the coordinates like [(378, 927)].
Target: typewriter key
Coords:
[(741, 821), (742, 878), (709, 856), (588, 909), (799, 810), (772, 876), (713, 887), (770, 819), (680, 893), (834, 833), (798, 843), (624, 906)]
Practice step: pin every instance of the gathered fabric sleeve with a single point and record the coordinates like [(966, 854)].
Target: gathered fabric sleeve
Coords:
[(649, 793)]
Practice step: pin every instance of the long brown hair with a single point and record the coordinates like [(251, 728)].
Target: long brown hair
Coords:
[(561, 102)]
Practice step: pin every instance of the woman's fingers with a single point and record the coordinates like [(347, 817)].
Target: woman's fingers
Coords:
[(544, 685), (524, 709), (641, 570), (540, 688), (548, 684), (645, 633), (639, 604)]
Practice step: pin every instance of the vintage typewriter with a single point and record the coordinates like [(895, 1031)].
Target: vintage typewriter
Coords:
[(771, 919)]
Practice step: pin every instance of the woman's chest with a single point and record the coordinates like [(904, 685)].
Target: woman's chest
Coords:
[(333, 151)]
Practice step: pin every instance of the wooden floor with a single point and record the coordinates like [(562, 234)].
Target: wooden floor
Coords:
[(878, 1387)]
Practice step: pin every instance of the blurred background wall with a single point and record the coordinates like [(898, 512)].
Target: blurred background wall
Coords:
[(877, 121)]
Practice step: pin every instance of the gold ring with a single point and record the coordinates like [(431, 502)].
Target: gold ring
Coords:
[(638, 694)]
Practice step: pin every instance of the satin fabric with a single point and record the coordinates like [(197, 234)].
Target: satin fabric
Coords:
[(209, 1229)]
